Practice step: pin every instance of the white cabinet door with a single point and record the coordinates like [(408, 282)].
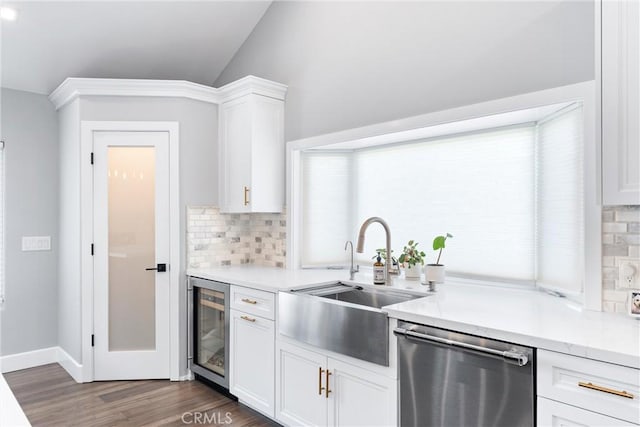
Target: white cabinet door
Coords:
[(300, 396), (361, 398), (621, 102), (556, 414), (252, 353), (252, 154), (235, 154)]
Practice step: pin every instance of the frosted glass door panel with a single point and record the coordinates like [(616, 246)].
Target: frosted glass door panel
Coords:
[(132, 248)]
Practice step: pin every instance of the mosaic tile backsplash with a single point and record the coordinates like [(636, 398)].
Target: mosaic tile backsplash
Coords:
[(215, 239), (620, 242)]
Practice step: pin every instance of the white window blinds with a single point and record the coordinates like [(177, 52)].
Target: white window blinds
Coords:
[(560, 218), (512, 198), (477, 187), (327, 207), (2, 257)]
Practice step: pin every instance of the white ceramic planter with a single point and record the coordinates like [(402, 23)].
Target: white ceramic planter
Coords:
[(434, 273), (412, 272)]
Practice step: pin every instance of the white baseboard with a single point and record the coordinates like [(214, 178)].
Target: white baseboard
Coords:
[(70, 365), (31, 359), (28, 359)]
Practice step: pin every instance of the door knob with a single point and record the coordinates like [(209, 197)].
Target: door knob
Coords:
[(160, 268)]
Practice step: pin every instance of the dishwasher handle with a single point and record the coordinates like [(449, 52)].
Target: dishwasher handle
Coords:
[(519, 358)]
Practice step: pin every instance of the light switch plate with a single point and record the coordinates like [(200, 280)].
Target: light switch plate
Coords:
[(629, 276), (36, 243)]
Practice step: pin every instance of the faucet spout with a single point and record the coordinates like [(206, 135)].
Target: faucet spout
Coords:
[(352, 271), (387, 230)]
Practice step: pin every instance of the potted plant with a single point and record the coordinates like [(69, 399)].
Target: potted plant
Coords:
[(412, 260), (434, 273)]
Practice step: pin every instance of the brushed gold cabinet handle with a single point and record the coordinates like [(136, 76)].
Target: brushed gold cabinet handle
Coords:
[(246, 195), (327, 391), (249, 301), (248, 319), (606, 390), (320, 388)]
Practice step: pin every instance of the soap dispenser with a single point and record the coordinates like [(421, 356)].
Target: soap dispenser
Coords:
[(378, 271)]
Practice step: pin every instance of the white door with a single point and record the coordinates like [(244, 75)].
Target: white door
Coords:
[(301, 398), (131, 244), (355, 392), (252, 365)]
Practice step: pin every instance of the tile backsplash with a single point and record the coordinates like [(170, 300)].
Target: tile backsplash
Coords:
[(620, 242), (215, 238)]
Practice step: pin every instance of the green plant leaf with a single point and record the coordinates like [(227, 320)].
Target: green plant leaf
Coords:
[(438, 242)]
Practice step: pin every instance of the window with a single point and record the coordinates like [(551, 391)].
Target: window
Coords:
[(510, 195)]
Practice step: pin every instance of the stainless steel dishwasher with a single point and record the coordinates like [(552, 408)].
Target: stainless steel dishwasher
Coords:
[(452, 379)]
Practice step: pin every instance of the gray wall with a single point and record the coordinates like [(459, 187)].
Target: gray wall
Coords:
[(351, 64), (29, 317)]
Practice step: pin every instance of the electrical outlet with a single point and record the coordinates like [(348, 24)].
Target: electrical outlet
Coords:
[(36, 243), (629, 272)]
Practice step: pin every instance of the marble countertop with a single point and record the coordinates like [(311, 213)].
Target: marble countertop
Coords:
[(526, 317)]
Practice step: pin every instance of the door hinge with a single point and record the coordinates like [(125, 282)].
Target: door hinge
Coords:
[(92, 340), (91, 158), (92, 249)]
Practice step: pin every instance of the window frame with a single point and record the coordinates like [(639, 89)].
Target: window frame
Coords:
[(581, 92)]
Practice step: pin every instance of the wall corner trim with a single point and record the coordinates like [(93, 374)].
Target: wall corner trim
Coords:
[(70, 365), (74, 87)]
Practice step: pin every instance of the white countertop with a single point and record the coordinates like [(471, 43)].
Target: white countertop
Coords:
[(268, 278), (530, 318), (521, 316)]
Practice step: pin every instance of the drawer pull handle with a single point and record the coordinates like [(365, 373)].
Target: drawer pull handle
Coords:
[(327, 390), (320, 388), (249, 301), (246, 196), (248, 319), (605, 390)]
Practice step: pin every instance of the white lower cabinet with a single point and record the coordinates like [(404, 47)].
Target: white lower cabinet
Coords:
[(579, 391), (556, 414), (316, 390), (361, 398), (300, 397), (252, 353)]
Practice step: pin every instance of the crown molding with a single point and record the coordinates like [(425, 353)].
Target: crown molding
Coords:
[(253, 85), (74, 87)]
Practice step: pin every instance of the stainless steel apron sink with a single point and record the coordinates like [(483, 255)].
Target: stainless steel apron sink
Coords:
[(342, 318)]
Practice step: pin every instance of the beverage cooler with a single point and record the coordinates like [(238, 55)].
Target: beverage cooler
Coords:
[(209, 330)]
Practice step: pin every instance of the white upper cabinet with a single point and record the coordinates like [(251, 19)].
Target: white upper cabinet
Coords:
[(251, 141), (621, 102)]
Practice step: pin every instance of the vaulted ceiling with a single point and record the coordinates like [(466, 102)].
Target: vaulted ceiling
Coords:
[(180, 40)]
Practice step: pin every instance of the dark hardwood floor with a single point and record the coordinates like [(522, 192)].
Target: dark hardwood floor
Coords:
[(50, 397)]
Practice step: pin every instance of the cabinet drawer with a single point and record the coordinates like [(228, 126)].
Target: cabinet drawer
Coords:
[(556, 414), (259, 303), (600, 387)]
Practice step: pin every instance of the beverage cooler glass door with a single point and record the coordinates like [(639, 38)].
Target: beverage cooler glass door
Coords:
[(211, 330)]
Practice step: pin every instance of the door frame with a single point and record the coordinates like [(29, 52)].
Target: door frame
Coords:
[(87, 128)]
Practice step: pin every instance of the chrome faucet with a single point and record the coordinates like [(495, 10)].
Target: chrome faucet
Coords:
[(352, 271), (360, 248)]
